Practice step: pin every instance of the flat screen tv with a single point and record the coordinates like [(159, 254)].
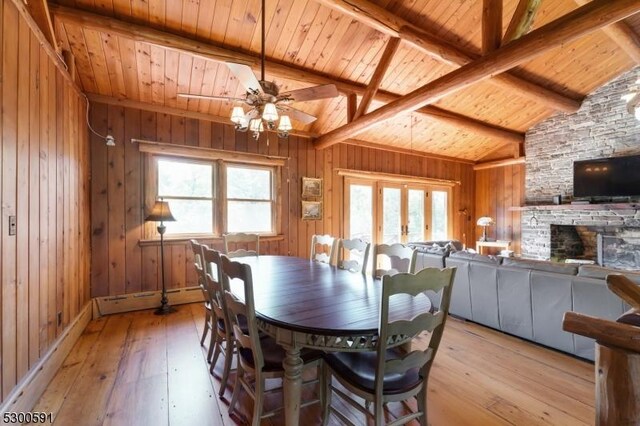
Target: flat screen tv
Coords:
[(607, 177)]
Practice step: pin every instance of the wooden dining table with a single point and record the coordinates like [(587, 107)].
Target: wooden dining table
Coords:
[(307, 304)]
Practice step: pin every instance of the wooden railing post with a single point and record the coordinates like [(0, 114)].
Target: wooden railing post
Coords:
[(617, 356)]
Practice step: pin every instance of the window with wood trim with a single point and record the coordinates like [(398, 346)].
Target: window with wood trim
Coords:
[(213, 197)]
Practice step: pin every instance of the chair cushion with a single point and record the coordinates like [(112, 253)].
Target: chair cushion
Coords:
[(359, 369), (273, 354), (242, 321)]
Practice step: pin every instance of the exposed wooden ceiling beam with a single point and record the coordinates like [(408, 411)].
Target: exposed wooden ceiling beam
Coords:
[(522, 20), (576, 24), (378, 75), (499, 163), (39, 10), (390, 148), (161, 109), (623, 35), (352, 106), (281, 70), (491, 25), (382, 20)]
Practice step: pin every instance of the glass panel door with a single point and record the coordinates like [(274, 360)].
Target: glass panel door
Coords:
[(416, 219), (439, 216), (391, 212), (360, 217)]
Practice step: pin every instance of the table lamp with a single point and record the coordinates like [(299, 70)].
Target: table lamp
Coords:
[(485, 222), (161, 213)]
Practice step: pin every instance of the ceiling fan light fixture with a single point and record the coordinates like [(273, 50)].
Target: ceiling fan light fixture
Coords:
[(237, 115), (270, 113)]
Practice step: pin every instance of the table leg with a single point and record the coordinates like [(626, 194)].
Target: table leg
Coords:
[(292, 385)]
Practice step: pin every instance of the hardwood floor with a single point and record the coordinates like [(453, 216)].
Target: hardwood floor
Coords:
[(141, 369)]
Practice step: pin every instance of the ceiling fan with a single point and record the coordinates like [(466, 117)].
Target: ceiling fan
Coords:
[(264, 100)]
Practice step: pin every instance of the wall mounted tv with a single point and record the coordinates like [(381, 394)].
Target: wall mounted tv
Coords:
[(607, 177)]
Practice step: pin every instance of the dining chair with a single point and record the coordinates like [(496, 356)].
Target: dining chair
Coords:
[(258, 357), (199, 266), (328, 245), (398, 257), (221, 336), (358, 251), (241, 238), (390, 374)]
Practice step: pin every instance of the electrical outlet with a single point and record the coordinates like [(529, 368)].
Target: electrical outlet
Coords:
[(13, 225), (59, 318)]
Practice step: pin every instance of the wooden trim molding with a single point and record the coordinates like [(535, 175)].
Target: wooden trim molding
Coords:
[(25, 395), (160, 148), (391, 177), (208, 238)]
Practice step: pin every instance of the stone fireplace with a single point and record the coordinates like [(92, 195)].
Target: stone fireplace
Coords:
[(608, 234)]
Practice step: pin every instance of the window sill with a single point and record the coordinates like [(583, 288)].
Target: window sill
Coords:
[(181, 240)]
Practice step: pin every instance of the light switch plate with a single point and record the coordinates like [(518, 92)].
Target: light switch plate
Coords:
[(13, 226)]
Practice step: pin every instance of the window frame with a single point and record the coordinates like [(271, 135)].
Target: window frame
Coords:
[(219, 159)]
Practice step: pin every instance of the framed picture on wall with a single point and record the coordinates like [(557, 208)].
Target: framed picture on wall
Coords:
[(311, 210), (311, 187)]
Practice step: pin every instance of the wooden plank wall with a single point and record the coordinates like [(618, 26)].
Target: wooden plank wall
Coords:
[(44, 164), (498, 189), (121, 265)]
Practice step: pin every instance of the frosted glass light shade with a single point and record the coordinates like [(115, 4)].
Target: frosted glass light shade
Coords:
[(285, 124), (237, 115), (255, 125), (270, 113), (485, 221)]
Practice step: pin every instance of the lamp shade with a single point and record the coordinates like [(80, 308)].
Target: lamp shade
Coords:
[(270, 113), (485, 221), (237, 115), (285, 124), (160, 213)]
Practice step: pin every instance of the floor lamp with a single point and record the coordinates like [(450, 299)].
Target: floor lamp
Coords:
[(161, 213)]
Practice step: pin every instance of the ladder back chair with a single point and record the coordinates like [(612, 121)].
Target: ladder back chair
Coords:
[(328, 244), (221, 336), (358, 254), (390, 374), (200, 268), (244, 239), (258, 358), (400, 258)]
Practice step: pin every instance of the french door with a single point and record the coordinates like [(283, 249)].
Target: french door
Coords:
[(389, 212)]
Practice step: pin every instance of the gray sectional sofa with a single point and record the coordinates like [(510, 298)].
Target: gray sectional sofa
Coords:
[(528, 298)]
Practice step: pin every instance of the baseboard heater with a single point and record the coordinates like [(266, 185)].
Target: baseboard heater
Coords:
[(144, 300)]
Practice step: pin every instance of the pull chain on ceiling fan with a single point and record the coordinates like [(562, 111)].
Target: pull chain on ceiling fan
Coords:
[(268, 108)]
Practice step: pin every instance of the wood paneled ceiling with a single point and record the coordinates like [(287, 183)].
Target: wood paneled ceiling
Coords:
[(309, 35)]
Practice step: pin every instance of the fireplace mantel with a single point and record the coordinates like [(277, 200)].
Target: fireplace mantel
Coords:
[(599, 207)]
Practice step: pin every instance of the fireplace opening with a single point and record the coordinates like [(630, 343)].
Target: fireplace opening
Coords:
[(609, 246), (574, 243)]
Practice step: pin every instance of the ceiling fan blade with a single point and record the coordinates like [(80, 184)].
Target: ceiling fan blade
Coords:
[(245, 76), (310, 93), (297, 115), (209, 98)]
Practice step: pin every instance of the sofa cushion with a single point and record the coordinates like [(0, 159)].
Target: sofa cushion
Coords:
[(598, 272), (539, 265), (465, 255)]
